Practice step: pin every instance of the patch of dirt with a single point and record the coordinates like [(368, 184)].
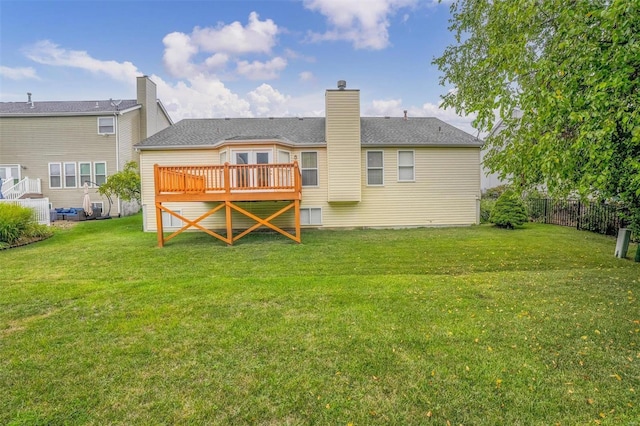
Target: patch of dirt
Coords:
[(64, 224)]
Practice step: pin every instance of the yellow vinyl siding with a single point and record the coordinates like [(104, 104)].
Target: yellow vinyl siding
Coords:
[(446, 191), (343, 145)]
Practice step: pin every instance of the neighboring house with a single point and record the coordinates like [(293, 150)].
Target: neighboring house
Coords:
[(354, 171), (50, 148), (491, 180)]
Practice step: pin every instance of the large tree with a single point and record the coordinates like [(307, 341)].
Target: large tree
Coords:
[(564, 76)]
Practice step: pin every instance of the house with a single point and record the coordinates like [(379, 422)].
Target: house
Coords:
[(50, 149), (339, 171)]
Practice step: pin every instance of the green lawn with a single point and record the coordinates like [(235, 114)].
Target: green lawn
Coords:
[(476, 325)]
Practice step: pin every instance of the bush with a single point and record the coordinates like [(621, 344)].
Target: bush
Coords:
[(486, 206), (18, 224), (509, 211)]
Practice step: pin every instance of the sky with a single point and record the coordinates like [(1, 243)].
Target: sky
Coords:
[(212, 59)]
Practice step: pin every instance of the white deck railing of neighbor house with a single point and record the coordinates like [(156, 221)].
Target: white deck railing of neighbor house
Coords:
[(25, 186), (40, 207)]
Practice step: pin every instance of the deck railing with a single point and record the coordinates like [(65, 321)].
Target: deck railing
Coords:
[(25, 186), (227, 178)]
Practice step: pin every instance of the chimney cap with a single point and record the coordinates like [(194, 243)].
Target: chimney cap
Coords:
[(342, 84)]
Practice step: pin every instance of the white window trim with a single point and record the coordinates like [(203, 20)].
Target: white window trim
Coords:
[(224, 154), (94, 174), (64, 174), (253, 152), (61, 175), (317, 169), (413, 165), (374, 168), (310, 222), (113, 121)]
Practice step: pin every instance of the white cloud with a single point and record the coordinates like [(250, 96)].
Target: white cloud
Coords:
[(256, 37), (200, 97), (19, 73), (48, 53), (380, 108), (394, 108), (306, 76), (177, 55), (363, 23), (257, 70), (268, 102), (216, 61), (224, 42)]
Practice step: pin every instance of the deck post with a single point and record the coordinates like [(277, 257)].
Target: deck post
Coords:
[(297, 219), (227, 203), (159, 227)]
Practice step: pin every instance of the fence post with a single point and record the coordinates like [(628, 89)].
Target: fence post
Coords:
[(578, 218), (545, 210)]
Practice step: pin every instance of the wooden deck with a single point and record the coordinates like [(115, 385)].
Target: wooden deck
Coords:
[(228, 184)]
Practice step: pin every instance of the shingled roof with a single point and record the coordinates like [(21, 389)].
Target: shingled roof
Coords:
[(65, 107), (375, 131)]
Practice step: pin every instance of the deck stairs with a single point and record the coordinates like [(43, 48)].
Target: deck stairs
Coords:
[(26, 188)]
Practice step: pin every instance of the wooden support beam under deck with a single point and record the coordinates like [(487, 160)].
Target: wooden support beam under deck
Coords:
[(228, 184)]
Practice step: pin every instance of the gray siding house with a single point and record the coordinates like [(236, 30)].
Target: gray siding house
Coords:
[(51, 148)]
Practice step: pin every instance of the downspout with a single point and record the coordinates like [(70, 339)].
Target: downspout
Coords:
[(115, 114)]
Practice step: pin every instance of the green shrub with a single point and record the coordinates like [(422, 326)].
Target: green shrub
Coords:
[(509, 211), (17, 223), (14, 221), (486, 206)]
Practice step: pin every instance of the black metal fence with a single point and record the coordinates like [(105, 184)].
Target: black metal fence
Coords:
[(589, 216)]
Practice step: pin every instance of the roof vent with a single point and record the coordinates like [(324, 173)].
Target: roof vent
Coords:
[(97, 104), (342, 84), (405, 114), (29, 101)]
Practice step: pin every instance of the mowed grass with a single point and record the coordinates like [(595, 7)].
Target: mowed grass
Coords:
[(476, 325)]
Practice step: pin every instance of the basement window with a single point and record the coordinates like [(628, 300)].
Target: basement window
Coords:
[(311, 216), (170, 221)]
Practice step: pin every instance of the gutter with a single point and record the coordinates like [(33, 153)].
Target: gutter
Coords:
[(66, 114)]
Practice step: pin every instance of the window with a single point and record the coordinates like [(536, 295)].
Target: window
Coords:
[(98, 207), (284, 157), (55, 175), (375, 170), (170, 221), (85, 173), (99, 172), (106, 125), (70, 175), (309, 168), (311, 216), (406, 166)]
